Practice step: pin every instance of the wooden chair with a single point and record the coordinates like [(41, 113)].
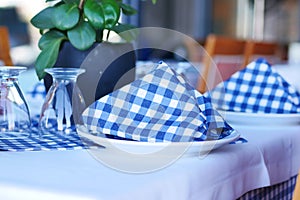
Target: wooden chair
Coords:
[(296, 193), (194, 49), (5, 47), (224, 57), (267, 50)]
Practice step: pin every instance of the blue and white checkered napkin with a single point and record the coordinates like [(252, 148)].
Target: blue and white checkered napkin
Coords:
[(258, 88), (160, 107)]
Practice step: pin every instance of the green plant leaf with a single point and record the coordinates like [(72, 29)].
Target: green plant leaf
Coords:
[(66, 16), (47, 58), (43, 20), (50, 37), (93, 10), (127, 9), (82, 36), (126, 31), (111, 13)]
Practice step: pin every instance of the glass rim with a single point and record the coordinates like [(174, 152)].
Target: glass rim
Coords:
[(13, 68), (64, 69)]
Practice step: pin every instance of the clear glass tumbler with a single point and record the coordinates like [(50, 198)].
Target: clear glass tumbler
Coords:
[(64, 103), (14, 113)]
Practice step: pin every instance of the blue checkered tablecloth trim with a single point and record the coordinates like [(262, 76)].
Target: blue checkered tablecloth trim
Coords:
[(159, 107), (258, 89), (51, 141), (281, 191)]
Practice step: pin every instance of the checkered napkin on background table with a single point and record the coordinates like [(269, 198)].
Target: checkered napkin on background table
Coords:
[(258, 88), (160, 107)]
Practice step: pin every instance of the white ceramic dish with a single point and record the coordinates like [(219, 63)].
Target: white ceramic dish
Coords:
[(160, 148), (261, 119)]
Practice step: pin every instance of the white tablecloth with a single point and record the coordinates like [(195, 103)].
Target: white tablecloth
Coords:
[(272, 155)]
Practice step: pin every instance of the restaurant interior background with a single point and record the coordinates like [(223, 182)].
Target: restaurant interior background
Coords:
[(269, 20), (269, 158)]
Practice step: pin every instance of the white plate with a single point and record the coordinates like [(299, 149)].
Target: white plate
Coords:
[(173, 149), (261, 119)]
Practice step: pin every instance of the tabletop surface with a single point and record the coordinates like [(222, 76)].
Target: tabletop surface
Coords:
[(270, 156)]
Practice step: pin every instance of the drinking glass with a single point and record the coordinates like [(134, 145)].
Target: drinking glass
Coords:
[(14, 113), (64, 103)]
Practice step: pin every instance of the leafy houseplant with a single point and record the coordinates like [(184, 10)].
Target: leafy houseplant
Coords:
[(81, 22)]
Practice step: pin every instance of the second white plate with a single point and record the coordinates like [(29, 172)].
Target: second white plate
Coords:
[(261, 119)]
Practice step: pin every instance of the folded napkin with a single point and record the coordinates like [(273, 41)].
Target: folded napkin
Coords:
[(160, 107), (258, 88)]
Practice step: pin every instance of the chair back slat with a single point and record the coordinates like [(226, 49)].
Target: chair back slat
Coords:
[(5, 56), (225, 56), (267, 50)]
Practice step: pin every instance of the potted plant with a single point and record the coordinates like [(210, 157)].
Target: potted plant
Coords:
[(80, 24)]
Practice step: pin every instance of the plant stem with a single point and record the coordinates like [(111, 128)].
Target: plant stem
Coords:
[(107, 36), (81, 4)]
